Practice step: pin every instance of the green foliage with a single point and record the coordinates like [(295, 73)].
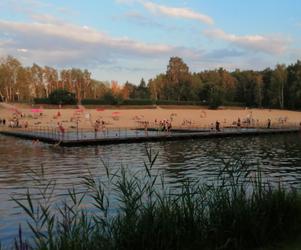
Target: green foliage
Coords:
[(62, 96), (216, 97), (110, 99), (93, 102), (173, 102), (138, 210), (138, 102), (279, 87), (41, 101)]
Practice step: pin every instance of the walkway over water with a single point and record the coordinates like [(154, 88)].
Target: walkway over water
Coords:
[(117, 136)]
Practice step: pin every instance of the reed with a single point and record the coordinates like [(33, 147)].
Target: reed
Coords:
[(139, 210)]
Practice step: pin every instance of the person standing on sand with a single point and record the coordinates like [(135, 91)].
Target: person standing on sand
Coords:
[(217, 128), (238, 123), (269, 123), (61, 129), (96, 127), (146, 128)]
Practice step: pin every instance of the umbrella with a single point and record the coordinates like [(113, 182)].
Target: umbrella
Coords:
[(100, 109), (116, 113), (79, 110), (36, 110)]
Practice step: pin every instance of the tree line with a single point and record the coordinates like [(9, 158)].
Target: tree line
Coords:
[(279, 87)]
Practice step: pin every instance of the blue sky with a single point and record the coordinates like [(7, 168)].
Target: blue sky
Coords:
[(130, 39)]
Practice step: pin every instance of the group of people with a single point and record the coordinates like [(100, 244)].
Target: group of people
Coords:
[(165, 125), (97, 125), (217, 126)]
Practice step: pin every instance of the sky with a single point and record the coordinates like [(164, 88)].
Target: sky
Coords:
[(126, 40)]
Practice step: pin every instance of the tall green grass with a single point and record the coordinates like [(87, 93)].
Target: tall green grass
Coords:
[(139, 210)]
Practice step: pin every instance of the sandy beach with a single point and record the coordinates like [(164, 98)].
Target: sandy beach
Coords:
[(133, 118)]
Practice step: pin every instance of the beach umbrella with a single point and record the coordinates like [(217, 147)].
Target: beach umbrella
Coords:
[(36, 110), (100, 109), (79, 110), (116, 113)]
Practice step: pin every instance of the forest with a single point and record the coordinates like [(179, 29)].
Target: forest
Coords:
[(278, 87)]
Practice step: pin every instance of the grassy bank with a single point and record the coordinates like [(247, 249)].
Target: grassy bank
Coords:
[(141, 211)]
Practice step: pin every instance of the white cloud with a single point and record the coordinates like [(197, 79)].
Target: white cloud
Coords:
[(56, 42), (185, 13), (259, 43), (77, 34), (22, 50), (177, 12)]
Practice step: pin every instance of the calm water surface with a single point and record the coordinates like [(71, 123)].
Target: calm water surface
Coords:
[(278, 155)]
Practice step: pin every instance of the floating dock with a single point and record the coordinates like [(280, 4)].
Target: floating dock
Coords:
[(75, 139)]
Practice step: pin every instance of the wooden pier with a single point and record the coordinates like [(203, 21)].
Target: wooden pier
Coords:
[(136, 136)]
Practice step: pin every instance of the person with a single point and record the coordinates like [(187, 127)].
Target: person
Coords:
[(217, 126), (238, 123), (145, 128), (169, 127), (4, 121), (96, 127), (269, 123), (61, 128)]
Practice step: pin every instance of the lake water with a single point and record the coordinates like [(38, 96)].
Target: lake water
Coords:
[(279, 156)]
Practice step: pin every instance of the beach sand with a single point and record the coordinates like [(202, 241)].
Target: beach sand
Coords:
[(133, 118)]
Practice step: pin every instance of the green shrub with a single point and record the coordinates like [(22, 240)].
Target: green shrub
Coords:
[(137, 102), (41, 101), (62, 96), (94, 102), (174, 102), (110, 99)]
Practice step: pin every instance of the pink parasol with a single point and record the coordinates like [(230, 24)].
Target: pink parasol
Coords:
[(36, 110), (79, 110), (116, 113)]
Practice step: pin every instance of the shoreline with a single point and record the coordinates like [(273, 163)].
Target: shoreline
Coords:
[(131, 118)]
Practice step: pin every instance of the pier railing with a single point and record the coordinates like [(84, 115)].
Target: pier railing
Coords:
[(152, 129)]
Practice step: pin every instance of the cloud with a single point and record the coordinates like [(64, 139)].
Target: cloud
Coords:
[(177, 12), (59, 43), (185, 13), (267, 44), (140, 19)]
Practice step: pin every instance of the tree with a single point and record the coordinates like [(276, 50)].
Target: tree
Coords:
[(179, 78), (266, 87), (279, 80), (36, 86), (216, 96), (293, 93), (142, 91), (50, 80), (62, 96), (129, 91), (9, 70), (156, 87)]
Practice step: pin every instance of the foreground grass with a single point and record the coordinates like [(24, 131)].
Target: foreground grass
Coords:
[(139, 211)]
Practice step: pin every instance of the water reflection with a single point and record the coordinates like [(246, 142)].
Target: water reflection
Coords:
[(279, 156)]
